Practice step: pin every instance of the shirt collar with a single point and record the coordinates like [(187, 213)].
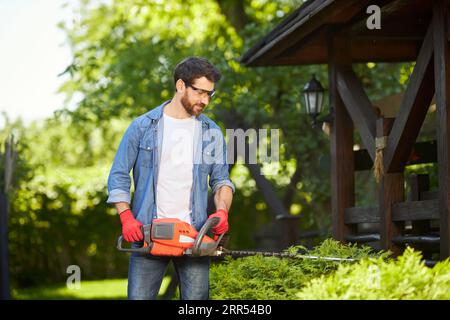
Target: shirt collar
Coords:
[(157, 113)]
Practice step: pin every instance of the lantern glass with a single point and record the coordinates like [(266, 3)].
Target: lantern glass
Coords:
[(313, 95), (313, 102), (307, 105), (319, 102)]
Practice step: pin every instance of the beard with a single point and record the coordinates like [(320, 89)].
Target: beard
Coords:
[(191, 108)]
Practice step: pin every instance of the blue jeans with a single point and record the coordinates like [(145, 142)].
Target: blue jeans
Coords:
[(146, 273)]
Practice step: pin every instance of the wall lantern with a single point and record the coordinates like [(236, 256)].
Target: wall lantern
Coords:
[(313, 94)]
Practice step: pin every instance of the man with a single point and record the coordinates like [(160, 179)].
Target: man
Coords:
[(172, 150)]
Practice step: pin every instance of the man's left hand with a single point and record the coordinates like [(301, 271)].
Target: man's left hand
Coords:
[(222, 226)]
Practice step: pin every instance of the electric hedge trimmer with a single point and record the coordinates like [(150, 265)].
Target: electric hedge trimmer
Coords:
[(173, 237)]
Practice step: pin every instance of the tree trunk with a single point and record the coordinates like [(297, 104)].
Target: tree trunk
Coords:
[(234, 11)]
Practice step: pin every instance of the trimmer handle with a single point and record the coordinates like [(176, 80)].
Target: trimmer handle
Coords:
[(197, 251), (147, 245)]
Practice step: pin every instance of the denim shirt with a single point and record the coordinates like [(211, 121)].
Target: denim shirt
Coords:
[(140, 150)]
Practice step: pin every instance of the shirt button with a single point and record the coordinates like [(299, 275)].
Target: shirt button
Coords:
[(148, 148)]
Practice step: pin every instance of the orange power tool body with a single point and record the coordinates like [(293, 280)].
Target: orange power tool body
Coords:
[(173, 237)]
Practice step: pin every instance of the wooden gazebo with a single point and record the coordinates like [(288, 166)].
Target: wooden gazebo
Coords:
[(334, 32)]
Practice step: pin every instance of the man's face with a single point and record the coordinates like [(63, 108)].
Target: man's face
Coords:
[(195, 97)]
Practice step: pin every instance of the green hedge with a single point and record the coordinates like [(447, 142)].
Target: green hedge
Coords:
[(404, 278), (273, 278), (375, 276)]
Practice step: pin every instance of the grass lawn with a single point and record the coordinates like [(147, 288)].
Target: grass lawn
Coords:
[(98, 289)]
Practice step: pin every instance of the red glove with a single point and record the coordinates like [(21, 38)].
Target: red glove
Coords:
[(222, 226), (131, 228)]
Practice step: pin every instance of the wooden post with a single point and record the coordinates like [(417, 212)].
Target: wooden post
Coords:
[(392, 190), (4, 271), (442, 83), (289, 230), (9, 159), (419, 183), (341, 142)]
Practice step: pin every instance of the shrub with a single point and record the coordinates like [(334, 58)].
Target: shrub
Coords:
[(272, 278), (60, 220), (404, 278)]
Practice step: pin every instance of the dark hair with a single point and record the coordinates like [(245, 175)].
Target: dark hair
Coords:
[(193, 68)]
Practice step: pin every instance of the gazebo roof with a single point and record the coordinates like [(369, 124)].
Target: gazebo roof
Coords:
[(302, 38)]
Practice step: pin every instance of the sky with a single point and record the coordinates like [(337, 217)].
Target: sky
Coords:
[(33, 51)]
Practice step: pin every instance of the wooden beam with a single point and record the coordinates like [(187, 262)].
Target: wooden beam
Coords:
[(385, 50), (341, 144), (394, 29), (422, 152), (401, 211), (362, 215), (363, 238), (361, 51), (358, 106), (415, 210), (429, 195), (413, 109), (442, 79), (427, 244)]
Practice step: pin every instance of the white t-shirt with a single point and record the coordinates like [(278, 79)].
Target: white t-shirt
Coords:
[(173, 190)]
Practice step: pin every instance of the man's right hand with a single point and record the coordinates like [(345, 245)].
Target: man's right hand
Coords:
[(131, 228)]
